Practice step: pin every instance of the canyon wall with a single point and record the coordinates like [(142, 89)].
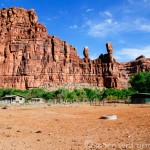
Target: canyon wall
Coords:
[(31, 58)]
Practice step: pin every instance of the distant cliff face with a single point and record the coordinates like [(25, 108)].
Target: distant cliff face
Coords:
[(31, 58)]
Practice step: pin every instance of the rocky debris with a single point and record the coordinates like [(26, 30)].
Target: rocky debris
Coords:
[(109, 117), (9, 127), (38, 131), (31, 58), (5, 107)]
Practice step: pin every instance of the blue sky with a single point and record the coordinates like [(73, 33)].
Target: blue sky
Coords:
[(92, 23)]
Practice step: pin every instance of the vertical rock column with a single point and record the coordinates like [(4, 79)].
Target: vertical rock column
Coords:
[(111, 68), (110, 51), (67, 50), (86, 52)]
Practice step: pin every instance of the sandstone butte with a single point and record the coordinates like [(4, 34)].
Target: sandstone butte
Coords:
[(31, 58)]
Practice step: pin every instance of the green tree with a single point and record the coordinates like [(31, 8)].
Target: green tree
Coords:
[(23, 93), (128, 92), (141, 82), (91, 94), (1, 93), (35, 92), (48, 95), (112, 94), (61, 94), (8, 92), (72, 96), (81, 94)]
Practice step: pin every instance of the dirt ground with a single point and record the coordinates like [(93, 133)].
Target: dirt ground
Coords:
[(75, 128)]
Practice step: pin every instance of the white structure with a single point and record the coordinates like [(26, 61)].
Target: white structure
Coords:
[(13, 99)]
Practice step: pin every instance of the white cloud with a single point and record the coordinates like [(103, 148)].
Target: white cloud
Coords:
[(102, 29), (141, 24), (89, 10), (73, 27), (105, 13), (145, 27), (135, 6), (128, 54), (109, 20), (130, 17), (113, 27)]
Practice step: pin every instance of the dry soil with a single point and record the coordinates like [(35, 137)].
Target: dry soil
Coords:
[(74, 128)]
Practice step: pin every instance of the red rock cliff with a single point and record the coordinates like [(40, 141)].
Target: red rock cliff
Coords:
[(30, 58)]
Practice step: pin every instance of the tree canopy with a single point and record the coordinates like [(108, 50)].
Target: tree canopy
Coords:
[(63, 94), (141, 82)]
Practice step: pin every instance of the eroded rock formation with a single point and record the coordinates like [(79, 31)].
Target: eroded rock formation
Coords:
[(30, 58)]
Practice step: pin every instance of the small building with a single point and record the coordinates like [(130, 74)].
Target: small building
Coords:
[(37, 100), (13, 99), (140, 98)]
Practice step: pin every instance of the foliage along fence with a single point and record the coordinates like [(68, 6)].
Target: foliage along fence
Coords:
[(77, 95)]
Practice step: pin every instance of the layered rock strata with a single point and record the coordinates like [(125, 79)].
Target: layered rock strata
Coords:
[(31, 58)]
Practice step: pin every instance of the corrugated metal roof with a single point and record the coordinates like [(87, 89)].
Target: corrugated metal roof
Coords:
[(11, 96)]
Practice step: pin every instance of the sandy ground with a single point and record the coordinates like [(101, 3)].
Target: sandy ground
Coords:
[(75, 128)]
